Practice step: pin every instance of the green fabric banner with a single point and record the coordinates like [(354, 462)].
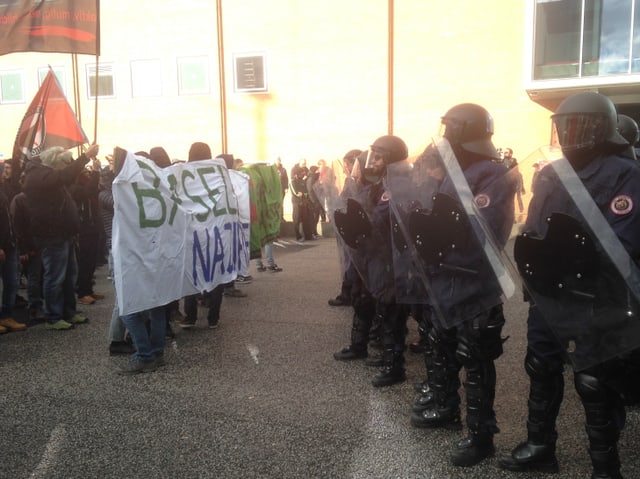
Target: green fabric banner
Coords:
[(265, 195)]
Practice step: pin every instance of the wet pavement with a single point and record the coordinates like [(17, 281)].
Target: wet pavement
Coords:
[(259, 397)]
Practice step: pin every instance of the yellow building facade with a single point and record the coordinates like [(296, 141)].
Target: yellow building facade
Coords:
[(334, 75)]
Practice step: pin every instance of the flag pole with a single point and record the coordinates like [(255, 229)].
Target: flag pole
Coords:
[(223, 93), (76, 92), (95, 115)]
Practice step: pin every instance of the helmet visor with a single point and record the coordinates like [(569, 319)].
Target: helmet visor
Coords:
[(580, 131)]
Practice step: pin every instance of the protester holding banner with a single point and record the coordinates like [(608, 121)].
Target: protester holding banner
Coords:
[(54, 225)]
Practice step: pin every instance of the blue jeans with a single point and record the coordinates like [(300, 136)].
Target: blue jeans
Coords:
[(59, 275), (268, 254), (149, 344), (34, 282), (9, 275)]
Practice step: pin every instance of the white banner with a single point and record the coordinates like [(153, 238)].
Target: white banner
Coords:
[(177, 231)]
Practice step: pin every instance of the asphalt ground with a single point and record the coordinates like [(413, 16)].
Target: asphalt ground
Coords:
[(259, 397)]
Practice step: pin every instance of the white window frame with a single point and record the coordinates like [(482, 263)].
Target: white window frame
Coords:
[(60, 73), (104, 69), (22, 78)]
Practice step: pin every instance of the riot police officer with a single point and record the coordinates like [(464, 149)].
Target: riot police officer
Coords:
[(464, 289), (365, 226), (579, 299)]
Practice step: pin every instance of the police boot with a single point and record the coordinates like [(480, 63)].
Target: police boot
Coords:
[(392, 371), (473, 449), (481, 419), (364, 310), (605, 415), (538, 452), (444, 410), (426, 399)]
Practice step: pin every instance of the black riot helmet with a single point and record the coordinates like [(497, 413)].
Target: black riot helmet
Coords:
[(469, 127), (392, 149), (586, 123), (628, 128)]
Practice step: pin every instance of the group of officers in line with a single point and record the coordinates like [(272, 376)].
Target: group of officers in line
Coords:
[(427, 238)]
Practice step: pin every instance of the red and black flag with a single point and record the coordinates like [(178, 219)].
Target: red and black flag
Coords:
[(63, 26), (49, 121)]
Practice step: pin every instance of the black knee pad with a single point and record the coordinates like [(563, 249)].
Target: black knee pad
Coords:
[(590, 388), (541, 369)]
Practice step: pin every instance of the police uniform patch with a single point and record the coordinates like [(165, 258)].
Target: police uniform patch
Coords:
[(482, 200), (621, 205)]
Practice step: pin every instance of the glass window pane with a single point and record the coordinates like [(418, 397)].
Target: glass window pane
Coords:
[(146, 78), (193, 76), (11, 87), (607, 33), (557, 38), (635, 64)]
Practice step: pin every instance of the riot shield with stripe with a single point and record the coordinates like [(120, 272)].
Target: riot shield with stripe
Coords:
[(458, 230), (573, 256), (412, 185), (362, 224)]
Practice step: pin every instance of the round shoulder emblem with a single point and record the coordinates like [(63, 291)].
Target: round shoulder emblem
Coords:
[(621, 205), (482, 200)]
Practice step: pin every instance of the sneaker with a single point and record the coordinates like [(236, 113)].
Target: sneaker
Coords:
[(234, 293), (60, 325), (213, 323), (78, 319), (274, 268), (137, 366), (97, 295), (117, 348), (12, 325), (244, 279), (261, 269), (187, 323), (86, 300)]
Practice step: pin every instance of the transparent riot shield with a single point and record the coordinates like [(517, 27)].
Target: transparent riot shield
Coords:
[(412, 185), (576, 270), (362, 223), (458, 232)]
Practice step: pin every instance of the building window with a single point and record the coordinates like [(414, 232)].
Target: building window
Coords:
[(193, 75), (11, 87), (250, 72), (146, 78), (103, 83), (59, 72), (586, 38)]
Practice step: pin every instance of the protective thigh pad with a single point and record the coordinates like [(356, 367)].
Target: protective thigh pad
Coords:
[(480, 338)]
